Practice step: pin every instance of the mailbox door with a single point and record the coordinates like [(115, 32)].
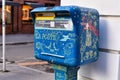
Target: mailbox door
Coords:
[(55, 39)]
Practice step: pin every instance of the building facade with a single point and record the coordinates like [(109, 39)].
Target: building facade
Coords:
[(18, 18)]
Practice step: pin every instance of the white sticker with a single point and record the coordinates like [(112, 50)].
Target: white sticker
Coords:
[(52, 24)]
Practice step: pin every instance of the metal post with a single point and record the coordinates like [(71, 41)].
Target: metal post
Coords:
[(65, 73), (3, 34)]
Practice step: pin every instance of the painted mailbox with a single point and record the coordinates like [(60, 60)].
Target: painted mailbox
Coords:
[(66, 35)]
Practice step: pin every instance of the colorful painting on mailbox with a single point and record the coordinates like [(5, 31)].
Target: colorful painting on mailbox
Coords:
[(89, 35), (66, 35)]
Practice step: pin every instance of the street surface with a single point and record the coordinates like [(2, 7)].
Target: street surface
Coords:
[(18, 52)]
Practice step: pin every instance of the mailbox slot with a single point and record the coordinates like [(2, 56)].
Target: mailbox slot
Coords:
[(49, 54)]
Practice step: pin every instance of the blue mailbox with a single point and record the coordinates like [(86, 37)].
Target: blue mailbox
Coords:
[(66, 35)]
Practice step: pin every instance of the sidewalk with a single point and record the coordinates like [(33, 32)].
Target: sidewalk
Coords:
[(24, 73), (18, 72), (18, 38)]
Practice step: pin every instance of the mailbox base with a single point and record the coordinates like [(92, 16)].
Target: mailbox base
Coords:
[(65, 73)]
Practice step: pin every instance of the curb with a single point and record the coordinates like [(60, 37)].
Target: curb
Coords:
[(17, 43)]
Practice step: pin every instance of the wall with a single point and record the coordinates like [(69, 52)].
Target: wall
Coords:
[(107, 7), (108, 65)]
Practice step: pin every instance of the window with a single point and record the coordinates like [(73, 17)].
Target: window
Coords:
[(49, 4), (51, 0), (26, 19), (8, 17)]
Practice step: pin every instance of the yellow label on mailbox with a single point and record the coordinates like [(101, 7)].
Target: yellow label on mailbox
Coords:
[(45, 16)]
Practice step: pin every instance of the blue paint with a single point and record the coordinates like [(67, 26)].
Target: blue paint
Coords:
[(74, 46), (65, 73)]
